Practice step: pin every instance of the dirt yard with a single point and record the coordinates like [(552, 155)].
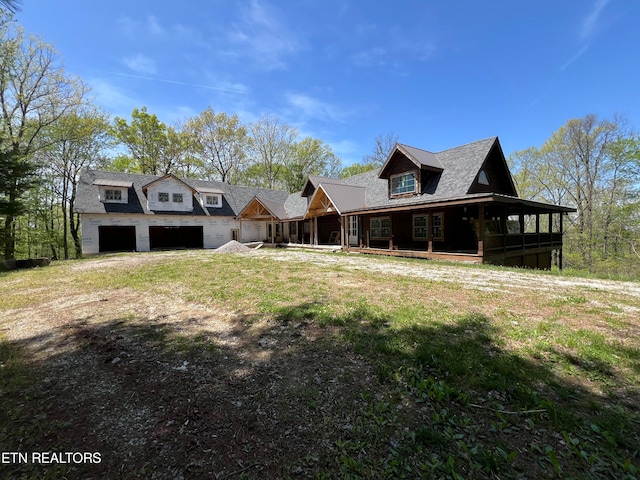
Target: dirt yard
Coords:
[(165, 388)]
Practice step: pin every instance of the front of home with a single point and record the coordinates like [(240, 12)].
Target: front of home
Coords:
[(459, 204)]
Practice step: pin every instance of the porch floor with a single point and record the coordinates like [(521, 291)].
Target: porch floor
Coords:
[(451, 256)]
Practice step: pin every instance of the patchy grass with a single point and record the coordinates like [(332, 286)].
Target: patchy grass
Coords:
[(275, 365)]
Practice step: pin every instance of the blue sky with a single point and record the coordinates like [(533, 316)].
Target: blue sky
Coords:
[(438, 74)]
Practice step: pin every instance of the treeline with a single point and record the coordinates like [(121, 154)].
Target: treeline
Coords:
[(593, 165), (50, 131)]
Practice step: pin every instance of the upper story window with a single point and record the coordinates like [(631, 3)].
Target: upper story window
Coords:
[(163, 196), (483, 179), (212, 200), (404, 183), (112, 195), (177, 198)]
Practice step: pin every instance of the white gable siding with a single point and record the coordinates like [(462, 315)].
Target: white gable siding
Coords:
[(170, 187)]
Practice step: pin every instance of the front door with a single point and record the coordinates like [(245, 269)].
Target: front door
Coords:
[(353, 230)]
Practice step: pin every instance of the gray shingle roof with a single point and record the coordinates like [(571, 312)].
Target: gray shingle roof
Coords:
[(234, 198), (457, 167)]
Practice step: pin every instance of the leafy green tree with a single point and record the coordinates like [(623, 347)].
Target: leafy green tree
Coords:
[(219, 143), (146, 140), (35, 93), (77, 140), (591, 164), (310, 156)]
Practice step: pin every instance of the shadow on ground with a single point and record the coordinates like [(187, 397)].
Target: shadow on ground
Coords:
[(305, 394)]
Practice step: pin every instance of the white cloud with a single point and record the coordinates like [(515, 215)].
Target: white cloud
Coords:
[(574, 58), (141, 64), (590, 22), (262, 37), (313, 108)]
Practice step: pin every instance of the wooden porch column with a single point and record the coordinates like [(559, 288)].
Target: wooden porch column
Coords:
[(562, 242), (315, 230), (429, 234), (342, 243), (538, 227), (273, 232), (240, 232), (481, 227)]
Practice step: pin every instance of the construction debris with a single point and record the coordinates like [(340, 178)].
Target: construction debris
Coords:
[(232, 247)]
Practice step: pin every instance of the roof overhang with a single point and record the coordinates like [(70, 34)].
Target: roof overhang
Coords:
[(484, 198), (420, 158), (102, 182), (258, 209), (333, 198), (166, 177)]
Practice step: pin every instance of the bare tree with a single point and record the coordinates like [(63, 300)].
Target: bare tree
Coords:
[(35, 93), (271, 145)]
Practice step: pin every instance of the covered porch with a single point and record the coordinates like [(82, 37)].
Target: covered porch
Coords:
[(493, 229)]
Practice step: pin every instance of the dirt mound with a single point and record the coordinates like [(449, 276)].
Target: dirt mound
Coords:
[(231, 247)]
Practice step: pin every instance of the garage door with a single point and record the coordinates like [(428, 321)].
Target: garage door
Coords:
[(117, 239), (175, 237)]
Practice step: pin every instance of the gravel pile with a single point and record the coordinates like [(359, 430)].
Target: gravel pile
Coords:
[(232, 247)]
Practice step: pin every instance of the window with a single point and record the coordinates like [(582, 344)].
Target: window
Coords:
[(483, 179), (437, 226), (381, 227), (163, 197), (212, 200), (420, 227), (112, 195), (177, 198), (405, 183)]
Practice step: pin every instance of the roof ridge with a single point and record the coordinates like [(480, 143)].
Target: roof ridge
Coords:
[(467, 144), (417, 148)]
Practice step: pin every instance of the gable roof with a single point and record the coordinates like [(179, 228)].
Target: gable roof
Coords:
[(420, 158), (343, 198), (166, 177)]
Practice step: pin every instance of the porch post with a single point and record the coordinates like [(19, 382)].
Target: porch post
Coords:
[(481, 227), (315, 231), (273, 233), (240, 232), (538, 227), (429, 234), (561, 242)]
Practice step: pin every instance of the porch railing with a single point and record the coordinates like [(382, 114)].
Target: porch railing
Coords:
[(521, 241)]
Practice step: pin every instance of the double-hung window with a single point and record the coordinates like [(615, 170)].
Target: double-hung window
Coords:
[(381, 227), (438, 226), (420, 227), (212, 200), (163, 197), (177, 198), (404, 183)]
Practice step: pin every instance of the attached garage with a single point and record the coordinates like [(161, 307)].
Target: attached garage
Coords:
[(117, 238), (176, 237)]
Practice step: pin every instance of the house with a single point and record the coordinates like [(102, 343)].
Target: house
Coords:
[(458, 204)]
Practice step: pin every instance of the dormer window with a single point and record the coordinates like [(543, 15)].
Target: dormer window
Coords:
[(112, 195), (403, 183), (483, 179), (163, 197), (212, 200), (177, 198)]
